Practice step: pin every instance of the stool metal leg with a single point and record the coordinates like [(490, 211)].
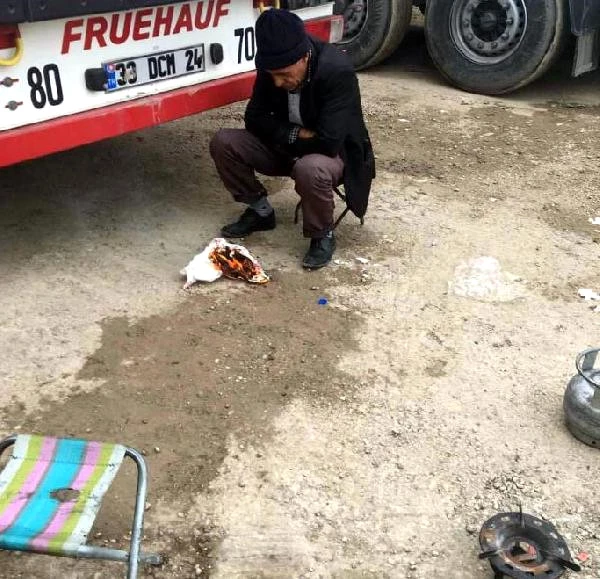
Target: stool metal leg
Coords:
[(4, 444), (138, 518)]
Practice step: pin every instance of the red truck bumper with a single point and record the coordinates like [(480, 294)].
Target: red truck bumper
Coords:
[(64, 133)]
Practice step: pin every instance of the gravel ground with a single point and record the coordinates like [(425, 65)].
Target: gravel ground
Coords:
[(370, 437)]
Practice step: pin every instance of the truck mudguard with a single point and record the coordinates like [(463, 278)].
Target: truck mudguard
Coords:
[(585, 16)]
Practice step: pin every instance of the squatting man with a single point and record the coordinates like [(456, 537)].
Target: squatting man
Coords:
[(305, 121)]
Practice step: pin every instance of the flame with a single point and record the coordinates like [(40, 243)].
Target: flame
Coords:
[(222, 258), (236, 263)]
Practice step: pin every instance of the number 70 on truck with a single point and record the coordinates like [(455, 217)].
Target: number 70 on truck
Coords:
[(72, 73)]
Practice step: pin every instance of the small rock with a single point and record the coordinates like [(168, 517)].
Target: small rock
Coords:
[(156, 449), (588, 294), (583, 556)]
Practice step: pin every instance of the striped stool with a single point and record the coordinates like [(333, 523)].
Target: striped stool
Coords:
[(50, 493)]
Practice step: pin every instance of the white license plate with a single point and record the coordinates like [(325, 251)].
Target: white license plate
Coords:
[(132, 72)]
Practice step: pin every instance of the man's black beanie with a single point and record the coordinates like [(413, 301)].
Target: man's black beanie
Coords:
[(281, 39)]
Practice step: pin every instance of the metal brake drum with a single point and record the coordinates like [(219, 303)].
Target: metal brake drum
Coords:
[(522, 546)]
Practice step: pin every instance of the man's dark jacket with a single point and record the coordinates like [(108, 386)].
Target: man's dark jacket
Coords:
[(330, 105)]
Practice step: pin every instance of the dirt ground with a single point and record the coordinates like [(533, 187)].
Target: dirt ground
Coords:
[(370, 437)]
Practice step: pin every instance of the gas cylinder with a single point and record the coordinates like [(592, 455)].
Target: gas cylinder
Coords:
[(581, 402)]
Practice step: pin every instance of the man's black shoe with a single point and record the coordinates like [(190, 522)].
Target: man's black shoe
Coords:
[(320, 252), (249, 222)]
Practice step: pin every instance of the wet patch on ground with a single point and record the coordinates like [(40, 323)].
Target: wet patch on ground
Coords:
[(176, 386)]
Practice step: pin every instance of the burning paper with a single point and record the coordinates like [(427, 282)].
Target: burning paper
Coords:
[(221, 258)]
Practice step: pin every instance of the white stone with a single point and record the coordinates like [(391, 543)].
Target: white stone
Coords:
[(482, 279)]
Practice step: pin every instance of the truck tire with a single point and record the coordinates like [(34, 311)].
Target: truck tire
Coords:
[(373, 28), (495, 46)]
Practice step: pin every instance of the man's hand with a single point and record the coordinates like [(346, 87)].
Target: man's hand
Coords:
[(306, 134)]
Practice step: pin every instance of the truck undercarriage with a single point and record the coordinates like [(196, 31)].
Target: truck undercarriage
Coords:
[(486, 46)]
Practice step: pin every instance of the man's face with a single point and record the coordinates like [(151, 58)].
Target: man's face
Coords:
[(290, 78)]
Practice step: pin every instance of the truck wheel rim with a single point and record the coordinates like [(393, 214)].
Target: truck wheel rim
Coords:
[(488, 31), (355, 17)]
